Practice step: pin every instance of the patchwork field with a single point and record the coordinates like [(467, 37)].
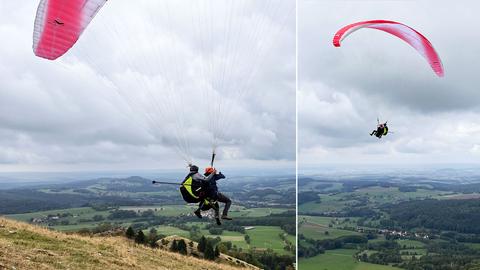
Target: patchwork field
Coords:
[(339, 259)]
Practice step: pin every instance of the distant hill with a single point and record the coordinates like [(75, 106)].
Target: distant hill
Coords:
[(24, 246)]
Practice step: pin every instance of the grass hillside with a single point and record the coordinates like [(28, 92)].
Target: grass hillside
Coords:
[(24, 246)]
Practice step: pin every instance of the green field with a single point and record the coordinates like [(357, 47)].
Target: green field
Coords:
[(410, 244), (169, 230), (83, 212), (262, 237), (317, 220), (236, 238), (473, 245), (339, 259), (163, 210), (319, 233), (254, 212)]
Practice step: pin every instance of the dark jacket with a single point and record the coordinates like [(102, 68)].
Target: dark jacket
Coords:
[(211, 188)]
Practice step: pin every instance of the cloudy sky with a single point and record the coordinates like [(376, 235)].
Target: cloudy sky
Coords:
[(343, 90), (113, 102)]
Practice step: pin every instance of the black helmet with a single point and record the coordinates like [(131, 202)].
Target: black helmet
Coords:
[(193, 168)]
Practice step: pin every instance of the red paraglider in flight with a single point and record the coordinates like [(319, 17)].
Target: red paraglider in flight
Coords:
[(59, 24), (402, 31)]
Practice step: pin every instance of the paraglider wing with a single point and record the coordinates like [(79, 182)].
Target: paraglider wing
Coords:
[(59, 24), (402, 31)]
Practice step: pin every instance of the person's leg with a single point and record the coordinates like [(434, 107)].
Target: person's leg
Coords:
[(198, 212), (224, 199), (216, 208)]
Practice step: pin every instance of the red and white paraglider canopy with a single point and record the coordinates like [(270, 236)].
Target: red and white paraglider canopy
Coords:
[(59, 24), (402, 31)]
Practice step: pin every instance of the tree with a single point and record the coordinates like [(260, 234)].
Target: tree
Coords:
[(247, 238), (215, 231), (209, 253), (153, 237), (140, 238), (202, 244), (174, 246), (130, 233), (217, 252), (182, 247), (153, 231), (228, 245)]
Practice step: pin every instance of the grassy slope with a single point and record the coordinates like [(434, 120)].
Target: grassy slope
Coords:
[(25, 246)]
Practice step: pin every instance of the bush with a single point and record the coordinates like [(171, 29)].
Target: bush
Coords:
[(209, 253), (130, 233), (174, 246), (215, 231), (140, 238), (202, 244), (182, 247)]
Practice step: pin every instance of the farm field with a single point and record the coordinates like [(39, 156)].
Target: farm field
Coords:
[(319, 232), (268, 237), (340, 259)]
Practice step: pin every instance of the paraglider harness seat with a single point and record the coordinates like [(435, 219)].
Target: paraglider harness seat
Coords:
[(191, 190), (380, 131), (194, 192)]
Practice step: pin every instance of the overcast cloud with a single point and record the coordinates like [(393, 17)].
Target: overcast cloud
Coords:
[(67, 115), (344, 90)]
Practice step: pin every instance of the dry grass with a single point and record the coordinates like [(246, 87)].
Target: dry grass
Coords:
[(24, 246)]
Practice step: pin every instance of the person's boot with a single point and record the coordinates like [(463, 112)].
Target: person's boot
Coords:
[(198, 213), (226, 217), (218, 221)]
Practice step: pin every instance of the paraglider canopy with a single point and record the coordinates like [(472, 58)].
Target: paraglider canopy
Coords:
[(59, 24), (402, 31)]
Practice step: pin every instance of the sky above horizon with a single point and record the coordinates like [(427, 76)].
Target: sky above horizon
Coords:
[(90, 110), (343, 90)]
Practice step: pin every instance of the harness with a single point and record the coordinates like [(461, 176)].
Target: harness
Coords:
[(192, 191)]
